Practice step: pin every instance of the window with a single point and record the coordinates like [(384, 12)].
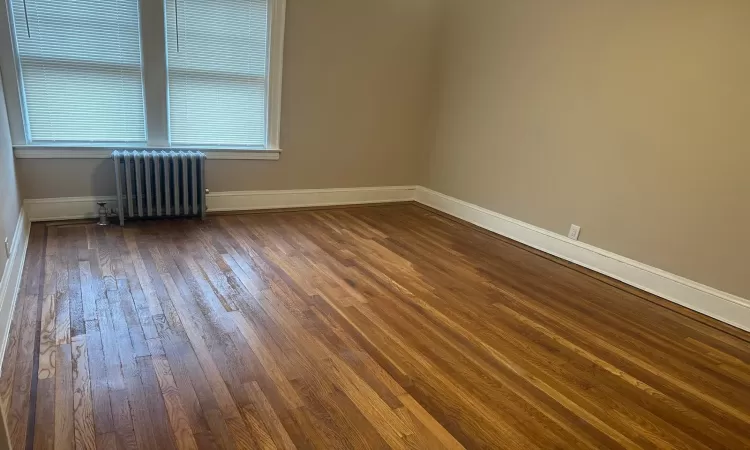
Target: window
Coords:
[(130, 73), (216, 58), (80, 66)]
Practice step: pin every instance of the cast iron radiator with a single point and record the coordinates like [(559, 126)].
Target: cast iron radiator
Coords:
[(160, 184)]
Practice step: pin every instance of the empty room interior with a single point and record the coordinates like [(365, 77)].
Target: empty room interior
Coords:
[(352, 224)]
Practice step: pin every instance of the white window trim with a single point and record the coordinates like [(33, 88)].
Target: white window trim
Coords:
[(155, 88), (276, 19), (105, 152)]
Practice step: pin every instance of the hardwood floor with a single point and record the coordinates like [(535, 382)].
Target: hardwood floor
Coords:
[(368, 327)]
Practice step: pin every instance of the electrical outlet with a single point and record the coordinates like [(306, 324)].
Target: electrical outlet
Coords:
[(7, 248), (575, 230)]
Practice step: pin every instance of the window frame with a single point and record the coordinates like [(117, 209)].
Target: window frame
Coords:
[(152, 15)]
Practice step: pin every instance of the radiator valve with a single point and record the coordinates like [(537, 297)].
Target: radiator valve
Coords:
[(103, 217)]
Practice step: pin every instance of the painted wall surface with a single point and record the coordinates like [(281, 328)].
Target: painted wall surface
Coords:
[(357, 95), (628, 118), (10, 200)]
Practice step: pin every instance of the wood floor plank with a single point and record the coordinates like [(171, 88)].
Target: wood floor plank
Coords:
[(195, 393), (47, 343), (88, 294), (436, 430), (269, 417), (101, 405), (62, 299), (143, 276), (64, 404), (108, 441), (157, 408), (83, 409), (268, 362), (44, 436), (141, 305), (77, 236), (125, 436), (220, 433), (178, 418), (365, 327)]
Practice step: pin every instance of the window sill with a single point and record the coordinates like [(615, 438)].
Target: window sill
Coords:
[(99, 152)]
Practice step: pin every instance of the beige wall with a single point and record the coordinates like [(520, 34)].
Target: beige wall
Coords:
[(628, 118), (356, 100), (10, 204)]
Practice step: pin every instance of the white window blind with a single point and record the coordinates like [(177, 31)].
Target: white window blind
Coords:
[(80, 65), (217, 56)]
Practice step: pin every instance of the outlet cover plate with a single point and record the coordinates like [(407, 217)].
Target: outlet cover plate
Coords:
[(574, 232)]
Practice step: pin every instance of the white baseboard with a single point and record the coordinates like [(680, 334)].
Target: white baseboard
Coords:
[(11, 280), (251, 200), (720, 305), (69, 208), (65, 208)]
